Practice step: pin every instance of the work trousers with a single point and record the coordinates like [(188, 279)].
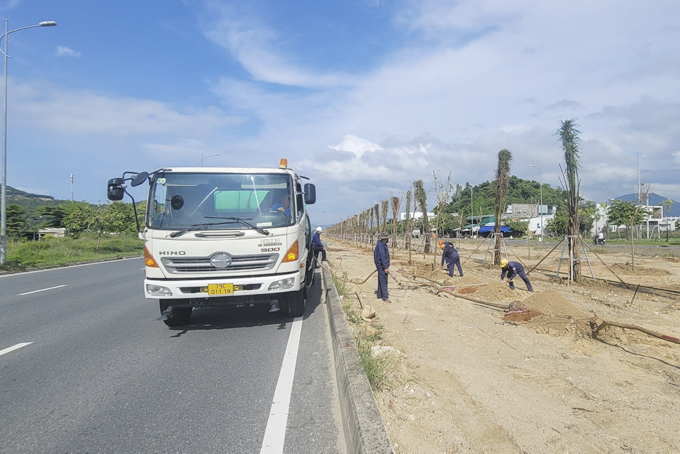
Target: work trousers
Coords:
[(452, 264), (382, 284), (321, 250), (525, 278)]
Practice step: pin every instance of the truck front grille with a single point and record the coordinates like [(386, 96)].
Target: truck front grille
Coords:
[(189, 265)]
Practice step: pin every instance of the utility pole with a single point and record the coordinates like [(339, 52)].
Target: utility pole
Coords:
[(72, 187)]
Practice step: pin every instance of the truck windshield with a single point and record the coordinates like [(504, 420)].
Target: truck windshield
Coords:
[(184, 200)]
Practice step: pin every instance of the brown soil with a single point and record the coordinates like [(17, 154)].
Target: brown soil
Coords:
[(469, 378)]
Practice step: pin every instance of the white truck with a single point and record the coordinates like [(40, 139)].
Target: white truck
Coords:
[(221, 236)]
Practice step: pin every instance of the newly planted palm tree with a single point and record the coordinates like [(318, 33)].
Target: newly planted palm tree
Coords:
[(396, 205), (408, 224), (569, 136), (502, 185), (421, 197), (384, 207)]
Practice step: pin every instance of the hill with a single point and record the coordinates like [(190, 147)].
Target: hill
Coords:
[(30, 203), (654, 200)]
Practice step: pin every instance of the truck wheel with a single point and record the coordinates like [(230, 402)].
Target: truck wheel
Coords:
[(296, 303), (180, 315)]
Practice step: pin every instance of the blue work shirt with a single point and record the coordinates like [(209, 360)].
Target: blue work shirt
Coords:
[(381, 256), (512, 269), (316, 241), (450, 253)]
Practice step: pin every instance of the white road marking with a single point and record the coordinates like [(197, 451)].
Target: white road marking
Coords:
[(275, 434), (14, 347), (41, 290)]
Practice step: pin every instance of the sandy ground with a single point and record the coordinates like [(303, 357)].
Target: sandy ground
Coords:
[(464, 377)]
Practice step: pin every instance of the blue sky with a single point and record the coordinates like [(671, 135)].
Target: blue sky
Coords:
[(361, 96)]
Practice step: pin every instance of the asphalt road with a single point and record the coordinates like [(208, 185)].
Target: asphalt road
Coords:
[(85, 367)]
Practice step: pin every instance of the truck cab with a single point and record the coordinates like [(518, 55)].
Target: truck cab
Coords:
[(218, 236)]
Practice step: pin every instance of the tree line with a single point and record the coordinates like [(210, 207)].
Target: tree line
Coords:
[(75, 217)]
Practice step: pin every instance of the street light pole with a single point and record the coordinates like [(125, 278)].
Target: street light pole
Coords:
[(540, 184), (209, 156), (3, 196)]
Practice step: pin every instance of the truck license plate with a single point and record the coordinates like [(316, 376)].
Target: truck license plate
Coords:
[(221, 289)]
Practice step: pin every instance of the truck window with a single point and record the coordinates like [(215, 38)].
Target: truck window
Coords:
[(180, 200)]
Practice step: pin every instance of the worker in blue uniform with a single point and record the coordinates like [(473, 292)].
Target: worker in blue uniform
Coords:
[(451, 257), (317, 245), (381, 257), (512, 269)]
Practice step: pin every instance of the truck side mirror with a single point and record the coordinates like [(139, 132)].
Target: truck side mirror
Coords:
[(116, 189), (310, 194)]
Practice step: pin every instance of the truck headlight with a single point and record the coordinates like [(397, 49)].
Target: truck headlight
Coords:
[(283, 284), (158, 290)]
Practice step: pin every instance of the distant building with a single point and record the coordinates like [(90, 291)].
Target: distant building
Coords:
[(415, 215), (529, 210), (55, 232)]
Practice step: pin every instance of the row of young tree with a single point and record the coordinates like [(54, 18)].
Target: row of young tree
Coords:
[(574, 216), (75, 217)]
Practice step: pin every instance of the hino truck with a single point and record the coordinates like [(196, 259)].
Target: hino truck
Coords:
[(222, 236)]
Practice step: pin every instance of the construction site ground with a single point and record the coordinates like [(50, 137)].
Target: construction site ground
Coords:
[(465, 377)]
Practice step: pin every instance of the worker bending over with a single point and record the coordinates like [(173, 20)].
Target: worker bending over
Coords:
[(451, 257), (513, 269)]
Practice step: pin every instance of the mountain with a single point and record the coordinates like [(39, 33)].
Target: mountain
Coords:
[(13, 193), (30, 203), (654, 200)]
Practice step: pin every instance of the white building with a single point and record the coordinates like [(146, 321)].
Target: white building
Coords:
[(415, 215)]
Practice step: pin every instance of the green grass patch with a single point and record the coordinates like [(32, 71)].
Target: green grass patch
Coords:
[(377, 368), (341, 284), (63, 251)]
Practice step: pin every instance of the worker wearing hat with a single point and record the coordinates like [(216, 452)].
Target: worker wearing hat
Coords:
[(513, 269), (451, 257), (317, 245), (381, 257)]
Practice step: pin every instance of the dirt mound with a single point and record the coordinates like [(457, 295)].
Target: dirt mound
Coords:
[(495, 292), (559, 317), (551, 302), (524, 316)]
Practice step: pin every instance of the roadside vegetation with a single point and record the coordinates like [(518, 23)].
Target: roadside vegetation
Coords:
[(367, 335), (92, 231), (87, 247)]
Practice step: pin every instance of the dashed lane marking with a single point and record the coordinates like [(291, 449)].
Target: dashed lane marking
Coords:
[(41, 290), (14, 347), (275, 434)]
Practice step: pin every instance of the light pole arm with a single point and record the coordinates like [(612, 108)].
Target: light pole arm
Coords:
[(45, 23)]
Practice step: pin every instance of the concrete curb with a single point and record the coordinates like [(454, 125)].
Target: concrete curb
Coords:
[(361, 421)]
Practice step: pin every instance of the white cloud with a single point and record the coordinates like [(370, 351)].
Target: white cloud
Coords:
[(63, 51), (82, 112), (355, 145), (473, 77), (6, 6), (260, 50)]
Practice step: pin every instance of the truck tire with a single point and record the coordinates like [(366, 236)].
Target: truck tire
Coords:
[(296, 303), (180, 315)]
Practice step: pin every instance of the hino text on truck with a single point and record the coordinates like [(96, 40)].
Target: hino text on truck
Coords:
[(220, 236)]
